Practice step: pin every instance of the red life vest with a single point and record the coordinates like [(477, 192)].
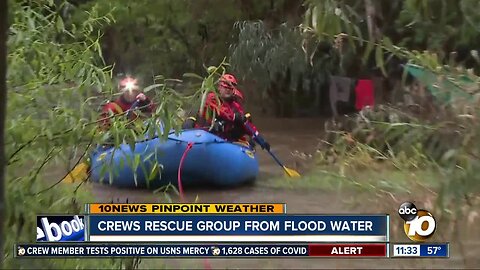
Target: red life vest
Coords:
[(119, 106), (224, 111)]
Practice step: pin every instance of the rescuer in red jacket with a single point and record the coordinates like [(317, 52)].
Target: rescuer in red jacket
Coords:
[(130, 98), (226, 117)]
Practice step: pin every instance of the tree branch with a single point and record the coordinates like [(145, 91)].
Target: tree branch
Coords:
[(21, 148), (56, 135), (45, 161), (68, 173)]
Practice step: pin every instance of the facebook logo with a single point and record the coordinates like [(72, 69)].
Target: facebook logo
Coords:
[(60, 228)]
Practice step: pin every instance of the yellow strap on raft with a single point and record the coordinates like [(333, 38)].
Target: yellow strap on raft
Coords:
[(117, 107), (242, 143), (78, 174), (120, 111)]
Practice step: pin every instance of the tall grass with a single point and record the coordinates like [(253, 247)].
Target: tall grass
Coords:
[(438, 155)]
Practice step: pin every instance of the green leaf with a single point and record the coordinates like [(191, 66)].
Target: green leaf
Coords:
[(131, 140), (388, 44), (49, 134), (212, 69), (59, 24), (117, 138), (151, 87), (193, 75), (153, 172), (379, 59), (148, 157), (135, 178), (368, 51), (136, 161)]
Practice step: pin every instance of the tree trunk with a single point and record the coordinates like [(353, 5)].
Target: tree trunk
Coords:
[(3, 105)]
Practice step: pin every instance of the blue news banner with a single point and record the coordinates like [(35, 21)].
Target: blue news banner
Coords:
[(421, 250), (238, 228)]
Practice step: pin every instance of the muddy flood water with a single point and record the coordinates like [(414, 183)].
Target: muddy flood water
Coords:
[(286, 137)]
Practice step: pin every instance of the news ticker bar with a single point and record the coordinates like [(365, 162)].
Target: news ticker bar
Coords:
[(202, 250), (186, 208), (347, 250), (421, 250)]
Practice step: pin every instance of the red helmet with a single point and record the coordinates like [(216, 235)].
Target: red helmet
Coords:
[(228, 81)]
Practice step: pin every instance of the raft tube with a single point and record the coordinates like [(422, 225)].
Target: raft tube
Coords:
[(210, 161)]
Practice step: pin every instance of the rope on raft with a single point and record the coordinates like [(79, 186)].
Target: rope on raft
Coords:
[(206, 262), (179, 176)]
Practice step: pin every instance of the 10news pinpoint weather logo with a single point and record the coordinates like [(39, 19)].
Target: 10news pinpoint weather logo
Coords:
[(419, 224)]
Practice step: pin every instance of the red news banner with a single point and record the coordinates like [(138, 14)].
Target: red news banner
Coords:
[(347, 250)]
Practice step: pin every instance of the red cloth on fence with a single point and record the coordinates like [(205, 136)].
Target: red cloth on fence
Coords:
[(364, 92)]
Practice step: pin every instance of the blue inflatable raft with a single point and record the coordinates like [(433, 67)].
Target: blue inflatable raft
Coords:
[(155, 162)]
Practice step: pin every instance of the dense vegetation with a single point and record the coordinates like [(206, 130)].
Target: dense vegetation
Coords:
[(3, 102), (63, 58)]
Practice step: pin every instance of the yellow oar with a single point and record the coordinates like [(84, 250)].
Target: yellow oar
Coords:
[(290, 172), (78, 174)]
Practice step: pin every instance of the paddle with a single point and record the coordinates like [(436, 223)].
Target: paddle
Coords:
[(134, 105), (80, 172), (290, 172)]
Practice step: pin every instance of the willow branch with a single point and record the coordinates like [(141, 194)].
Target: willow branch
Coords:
[(45, 161), (67, 131), (68, 173)]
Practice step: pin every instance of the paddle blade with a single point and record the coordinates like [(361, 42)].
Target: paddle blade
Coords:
[(78, 174), (291, 173)]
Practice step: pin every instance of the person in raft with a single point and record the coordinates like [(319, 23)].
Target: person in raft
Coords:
[(131, 97), (230, 121)]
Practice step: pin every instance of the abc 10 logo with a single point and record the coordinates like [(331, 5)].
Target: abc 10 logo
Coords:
[(419, 224)]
